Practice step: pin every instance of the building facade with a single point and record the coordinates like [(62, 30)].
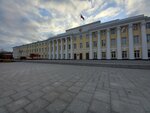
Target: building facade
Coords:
[(127, 38)]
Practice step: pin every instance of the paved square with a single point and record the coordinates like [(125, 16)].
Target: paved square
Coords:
[(53, 88)]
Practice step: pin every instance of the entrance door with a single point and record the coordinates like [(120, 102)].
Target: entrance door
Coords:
[(75, 56), (80, 56), (87, 56)]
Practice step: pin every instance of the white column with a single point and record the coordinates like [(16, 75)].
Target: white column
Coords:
[(71, 49), (66, 49), (91, 51), (108, 45), (99, 45), (144, 41), (119, 56), (61, 50), (53, 50), (49, 50), (57, 50), (131, 47)]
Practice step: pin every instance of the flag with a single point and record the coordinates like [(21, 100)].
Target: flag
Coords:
[(82, 17)]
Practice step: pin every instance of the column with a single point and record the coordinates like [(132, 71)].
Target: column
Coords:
[(49, 50), (71, 49), (57, 50), (61, 52), (131, 47), (99, 45), (144, 41), (91, 51), (66, 49), (108, 45), (53, 51), (119, 56)]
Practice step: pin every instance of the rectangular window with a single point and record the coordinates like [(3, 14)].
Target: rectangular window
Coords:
[(103, 55), (94, 34), (69, 55), (149, 53), (113, 42), (75, 46), (124, 54), (95, 55), (87, 35), (103, 43), (113, 54), (81, 45), (135, 26), (113, 31), (148, 38), (148, 25), (136, 39), (137, 54), (64, 47), (123, 41), (87, 44), (64, 56), (94, 43), (80, 36), (103, 32), (59, 56), (69, 46)]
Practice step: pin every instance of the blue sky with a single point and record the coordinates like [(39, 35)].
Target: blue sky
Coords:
[(26, 21)]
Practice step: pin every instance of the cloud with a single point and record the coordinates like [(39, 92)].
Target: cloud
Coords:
[(26, 21)]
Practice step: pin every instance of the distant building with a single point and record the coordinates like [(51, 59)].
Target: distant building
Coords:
[(6, 55), (127, 38)]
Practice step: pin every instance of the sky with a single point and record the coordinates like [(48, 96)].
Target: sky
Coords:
[(27, 21)]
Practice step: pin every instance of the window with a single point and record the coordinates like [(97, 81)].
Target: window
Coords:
[(124, 54), (148, 25), (113, 31), (113, 54), (148, 38), (103, 32), (95, 43), (59, 56), (81, 45), (64, 56), (123, 41), (123, 29), (103, 43), (69, 46), (136, 39), (94, 34), (103, 55), (75, 46), (135, 26), (74, 38), (113, 42), (149, 53), (95, 55), (87, 44), (137, 54), (64, 47), (80, 36), (87, 35), (69, 55)]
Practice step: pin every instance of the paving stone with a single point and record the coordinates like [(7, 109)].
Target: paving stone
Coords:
[(51, 96), (7, 93), (4, 101), (20, 94), (122, 107), (35, 95), (20, 111), (84, 96), (3, 110), (48, 89), (18, 104), (74, 89), (36, 106), (67, 96), (101, 96), (78, 106), (99, 107), (57, 107)]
